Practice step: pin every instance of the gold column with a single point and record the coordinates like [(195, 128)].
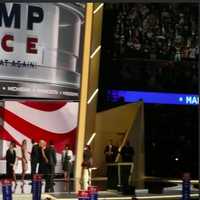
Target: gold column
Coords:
[(89, 82)]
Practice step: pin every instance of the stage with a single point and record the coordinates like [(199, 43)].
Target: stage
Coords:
[(106, 195), (23, 193)]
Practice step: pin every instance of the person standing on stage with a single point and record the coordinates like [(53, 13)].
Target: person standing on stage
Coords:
[(42, 157), (67, 158), (43, 163), (87, 157), (110, 152), (51, 156), (87, 164), (24, 159), (127, 154), (34, 157), (10, 162)]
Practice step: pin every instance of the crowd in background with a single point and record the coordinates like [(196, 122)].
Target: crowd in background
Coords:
[(151, 47), (157, 31), (161, 76)]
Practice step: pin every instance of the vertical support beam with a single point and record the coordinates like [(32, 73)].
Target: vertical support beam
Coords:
[(94, 72), (80, 140), (89, 83)]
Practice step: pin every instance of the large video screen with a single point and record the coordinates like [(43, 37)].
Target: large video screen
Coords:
[(41, 50), (41, 47), (54, 121)]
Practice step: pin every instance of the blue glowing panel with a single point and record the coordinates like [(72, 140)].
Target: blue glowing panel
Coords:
[(154, 97)]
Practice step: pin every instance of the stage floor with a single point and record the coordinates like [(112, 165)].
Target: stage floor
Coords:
[(61, 188), (104, 195)]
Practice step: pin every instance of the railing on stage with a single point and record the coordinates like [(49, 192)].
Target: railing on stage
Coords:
[(119, 165)]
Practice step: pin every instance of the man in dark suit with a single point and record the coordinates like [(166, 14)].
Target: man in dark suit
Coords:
[(34, 157), (127, 154), (110, 152), (51, 156), (10, 161), (44, 169)]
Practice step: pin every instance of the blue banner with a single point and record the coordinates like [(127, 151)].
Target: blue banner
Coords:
[(153, 97)]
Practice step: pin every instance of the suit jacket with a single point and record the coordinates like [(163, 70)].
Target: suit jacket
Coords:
[(127, 153), (35, 153), (10, 156), (43, 165), (111, 157), (51, 156)]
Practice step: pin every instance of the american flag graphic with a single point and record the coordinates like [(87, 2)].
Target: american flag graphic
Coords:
[(47, 120)]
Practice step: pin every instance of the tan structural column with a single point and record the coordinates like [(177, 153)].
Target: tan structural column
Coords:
[(80, 140), (89, 82), (94, 73)]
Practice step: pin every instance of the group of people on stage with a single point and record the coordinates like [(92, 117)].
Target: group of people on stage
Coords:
[(111, 151), (43, 161), (127, 153), (12, 159)]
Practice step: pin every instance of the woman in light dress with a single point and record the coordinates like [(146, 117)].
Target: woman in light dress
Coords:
[(24, 158)]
